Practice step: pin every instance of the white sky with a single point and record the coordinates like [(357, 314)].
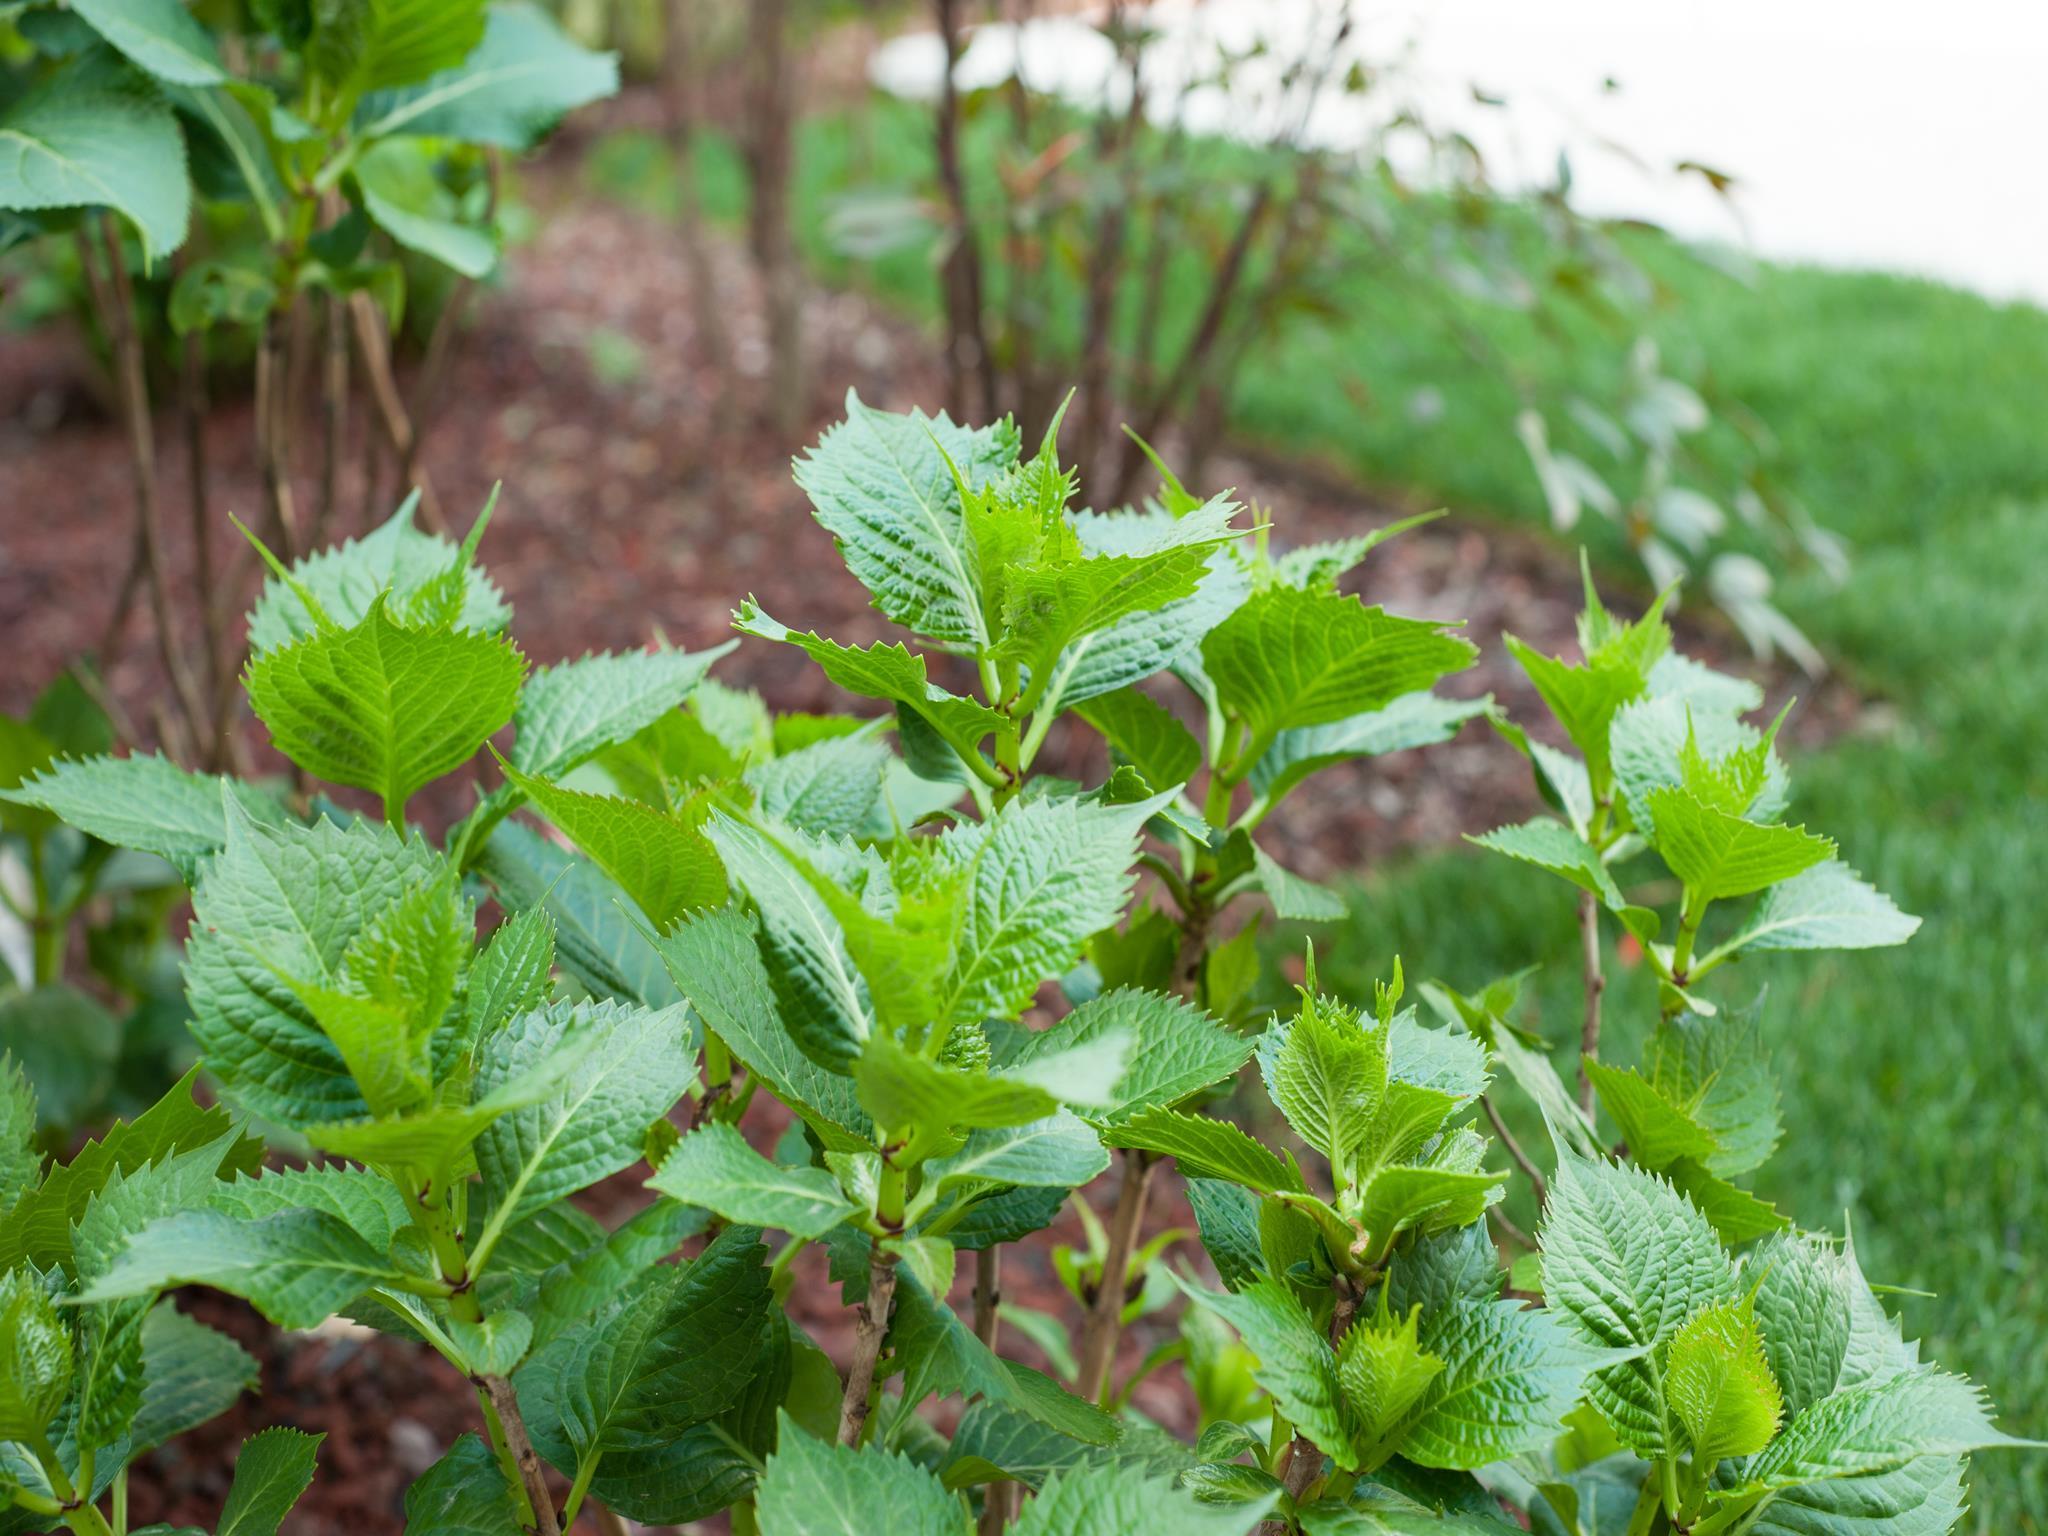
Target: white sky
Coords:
[(1868, 133)]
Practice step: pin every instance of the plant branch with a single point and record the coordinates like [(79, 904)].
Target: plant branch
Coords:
[(1595, 983), (1514, 1148), (505, 1403), (1104, 1322), (373, 346), (870, 1328)]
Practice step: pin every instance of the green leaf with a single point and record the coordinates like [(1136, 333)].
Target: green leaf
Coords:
[(35, 1357), (1042, 876), (1383, 1371), (1145, 735), (1175, 1049), (462, 1494), (1803, 1300), (814, 1489), (406, 199), (386, 43), (382, 707), (1878, 1427), (296, 1267), (1205, 1149), (1626, 1260), (1829, 906), (191, 1373), (904, 1091), (664, 862), (512, 974), (1736, 1214), (598, 942), (1328, 1075), (1654, 737), (569, 713), (1057, 1152), (596, 1123), (884, 487), (21, 1165), (1658, 1133), (69, 1046), (143, 802), (1583, 699), (886, 672), (1719, 1383), (1445, 1267), (1296, 1363), (1290, 658), (524, 76), (275, 1467), (79, 143), (1416, 719), (159, 36), (1551, 845), (1126, 1501), (831, 788), (823, 997), (1510, 1376), (1294, 899), (346, 580), (676, 1349), (1718, 855), (1716, 1072), (714, 958), (714, 1167), (1922, 1498)]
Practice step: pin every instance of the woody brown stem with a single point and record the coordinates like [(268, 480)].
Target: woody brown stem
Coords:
[(506, 1403), (1596, 983), (1104, 1322), (871, 1326)]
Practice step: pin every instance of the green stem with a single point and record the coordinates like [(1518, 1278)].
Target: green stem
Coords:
[(49, 932), (1692, 914), (585, 1470), (394, 812), (121, 1502), (1647, 1506), (508, 1464), (778, 1272)]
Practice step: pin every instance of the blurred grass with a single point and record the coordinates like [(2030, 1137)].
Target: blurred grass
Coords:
[(1910, 419)]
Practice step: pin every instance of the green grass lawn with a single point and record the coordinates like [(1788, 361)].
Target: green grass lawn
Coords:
[(1910, 419)]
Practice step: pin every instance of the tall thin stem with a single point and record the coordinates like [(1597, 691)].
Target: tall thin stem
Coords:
[(997, 1503), (871, 1326), (334, 415), (505, 1402), (1104, 1322), (1596, 983)]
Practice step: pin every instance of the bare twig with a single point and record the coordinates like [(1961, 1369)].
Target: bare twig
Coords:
[(967, 349), (506, 1402), (334, 416), (871, 1326), (1106, 270), (1104, 1322), (273, 437), (770, 108), (212, 596), (115, 298), (1507, 1139), (679, 80), (1596, 983), (373, 346), (996, 1503)]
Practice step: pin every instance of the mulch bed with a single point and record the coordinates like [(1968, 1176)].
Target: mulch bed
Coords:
[(625, 515)]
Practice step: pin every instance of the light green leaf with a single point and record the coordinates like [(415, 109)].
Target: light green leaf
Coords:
[(274, 1468), (1058, 1152), (1649, 738), (715, 959), (664, 862), (68, 1044), (35, 1357), (903, 1091), (1716, 1072), (1296, 1363), (1878, 1427), (1719, 1383), (143, 802), (598, 942), (1718, 855), (1803, 1301), (345, 581), (382, 707), (1288, 659), (885, 672), (1128, 1501), (596, 1122), (1327, 1075), (1658, 1133), (1829, 906), (814, 1489), (296, 1267), (159, 36), (76, 143), (1551, 845), (714, 1167), (1294, 899), (569, 713), (524, 76), (1922, 1498), (1174, 1050), (1626, 1260), (190, 1373), (406, 200), (883, 486), (1511, 1374), (831, 788), (1205, 1149), (21, 1165), (1145, 735), (1416, 719)]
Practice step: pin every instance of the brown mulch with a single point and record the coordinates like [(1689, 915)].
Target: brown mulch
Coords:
[(624, 514)]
